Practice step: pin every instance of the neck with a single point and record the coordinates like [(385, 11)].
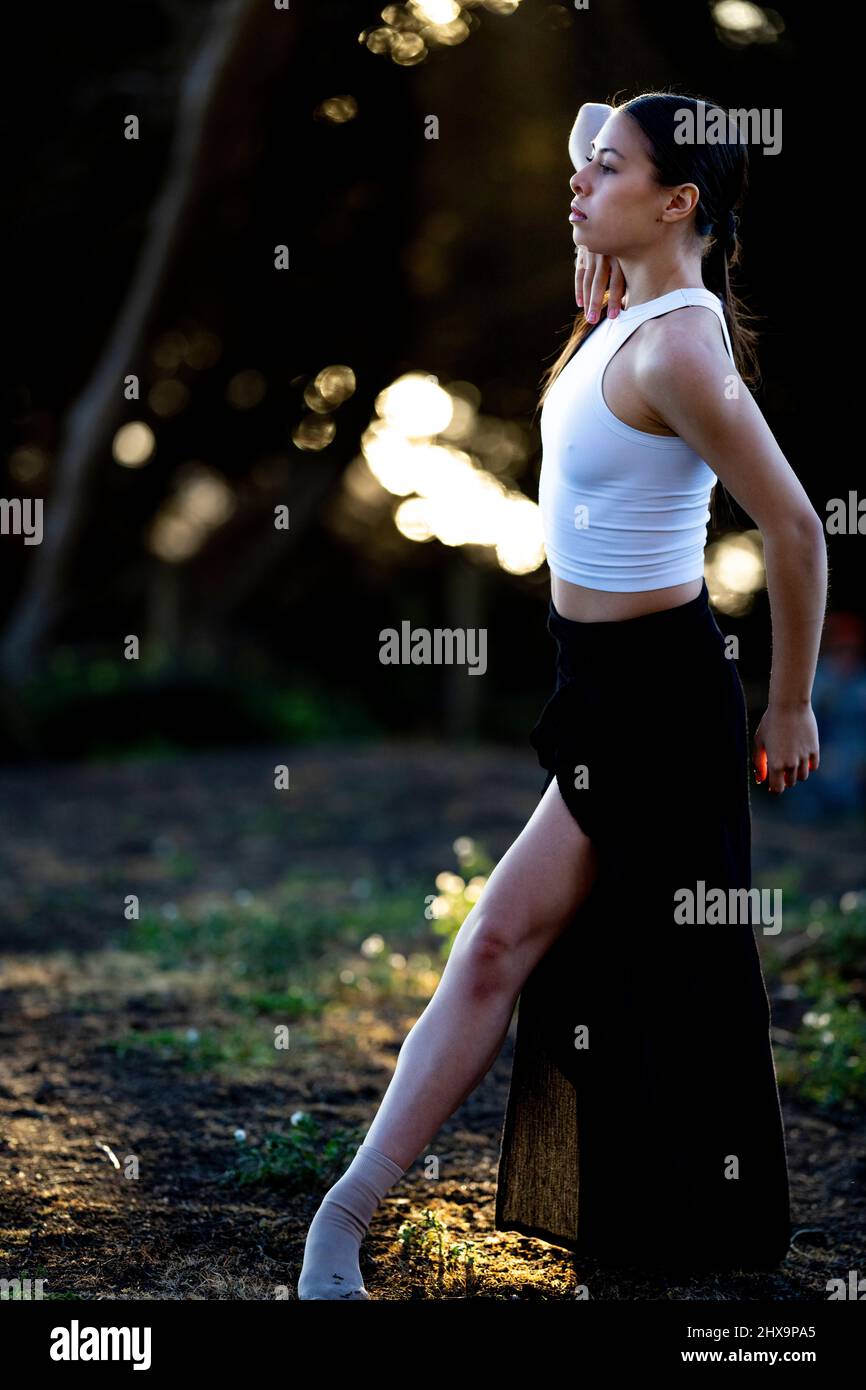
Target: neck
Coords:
[(646, 280)]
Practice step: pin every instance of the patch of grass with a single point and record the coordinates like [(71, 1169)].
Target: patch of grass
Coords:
[(211, 1049), (821, 959), (309, 919), (826, 1063), (833, 934), (261, 943), (300, 1160), (837, 935), (98, 706), (287, 1004), (182, 865)]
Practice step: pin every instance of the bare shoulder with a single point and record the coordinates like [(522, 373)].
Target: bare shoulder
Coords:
[(690, 337), (682, 368)]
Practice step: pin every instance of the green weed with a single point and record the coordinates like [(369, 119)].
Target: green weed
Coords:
[(298, 1161), (425, 1242)]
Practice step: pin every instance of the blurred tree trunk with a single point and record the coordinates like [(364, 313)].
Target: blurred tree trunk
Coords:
[(238, 53)]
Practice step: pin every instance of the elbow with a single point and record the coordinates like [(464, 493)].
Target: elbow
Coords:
[(812, 527), (800, 528)]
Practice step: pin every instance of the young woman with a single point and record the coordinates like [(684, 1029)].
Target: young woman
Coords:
[(643, 1122)]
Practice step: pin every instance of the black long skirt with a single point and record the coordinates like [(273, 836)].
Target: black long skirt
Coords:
[(643, 1123)]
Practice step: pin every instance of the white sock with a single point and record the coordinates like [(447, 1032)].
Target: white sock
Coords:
[(330, 1268)]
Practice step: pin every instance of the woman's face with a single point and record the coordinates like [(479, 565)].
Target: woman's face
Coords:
[(618, 192)]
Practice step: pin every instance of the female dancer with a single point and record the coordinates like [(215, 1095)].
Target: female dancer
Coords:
[(643, 1121)]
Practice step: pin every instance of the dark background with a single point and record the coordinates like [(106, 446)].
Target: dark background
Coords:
[(451, 256)]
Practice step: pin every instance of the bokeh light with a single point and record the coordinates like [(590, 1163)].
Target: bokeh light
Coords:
[(246, 389), (133, 444), (449, 495), (27, 463), (337, 110), (734, 570), (167, 397), (313, 433), (738, 22), (203, 501)]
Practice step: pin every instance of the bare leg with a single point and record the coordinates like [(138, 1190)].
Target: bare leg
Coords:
[(528, 901)]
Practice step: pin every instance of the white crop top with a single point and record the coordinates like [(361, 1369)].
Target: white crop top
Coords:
[(621, 509)]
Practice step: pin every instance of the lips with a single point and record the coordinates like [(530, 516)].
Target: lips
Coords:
[(577, 214)]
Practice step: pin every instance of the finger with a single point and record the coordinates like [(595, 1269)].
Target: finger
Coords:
[(782, 777), (616, 288), (599, 285), (803, 770), (583, 276), (814, 761), (760, 764)]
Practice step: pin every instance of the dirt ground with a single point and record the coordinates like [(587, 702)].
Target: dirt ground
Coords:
[(76, 839)]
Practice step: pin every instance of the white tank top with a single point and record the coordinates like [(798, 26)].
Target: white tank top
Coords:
[(621, 509)]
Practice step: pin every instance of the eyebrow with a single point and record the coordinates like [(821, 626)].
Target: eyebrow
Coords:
[(606, 149)]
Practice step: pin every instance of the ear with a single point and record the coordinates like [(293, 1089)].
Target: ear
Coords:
[(682, 203)]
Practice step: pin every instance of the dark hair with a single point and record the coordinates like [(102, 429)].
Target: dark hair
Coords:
[(720, 171)]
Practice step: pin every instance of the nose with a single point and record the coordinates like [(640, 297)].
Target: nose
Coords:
[(576, 183)]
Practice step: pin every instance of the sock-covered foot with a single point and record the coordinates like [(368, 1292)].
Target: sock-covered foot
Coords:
[(330, 1268)]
